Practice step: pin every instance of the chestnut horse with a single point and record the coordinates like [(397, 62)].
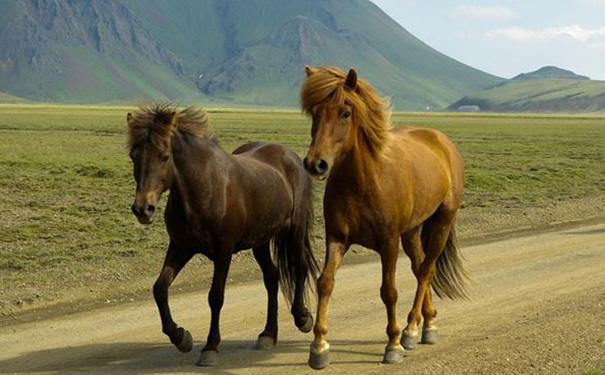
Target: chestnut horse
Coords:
[(219, 204), (384, 185)]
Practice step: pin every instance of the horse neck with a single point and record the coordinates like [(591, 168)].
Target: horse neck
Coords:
[(197, 165), (356, 168)]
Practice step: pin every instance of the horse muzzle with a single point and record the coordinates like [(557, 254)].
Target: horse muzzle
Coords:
[(144, 212), (318, 168)]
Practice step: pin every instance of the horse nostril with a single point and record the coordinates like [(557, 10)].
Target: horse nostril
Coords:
[(149, 209), (135, 210), (321, 166), (306, 163)]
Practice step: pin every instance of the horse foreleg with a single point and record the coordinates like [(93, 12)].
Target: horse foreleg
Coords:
[(412, 245), (268, 337), (216, 297), (320, 348), (173, 263), (388, 292), (438, 234)]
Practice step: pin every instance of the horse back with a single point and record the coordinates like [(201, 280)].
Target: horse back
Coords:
[(271, 181), (279, 158), (435, 160)]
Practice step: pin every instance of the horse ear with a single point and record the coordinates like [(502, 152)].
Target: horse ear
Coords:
[(351, 81), (173, 119), (128, 117), (309, 70)]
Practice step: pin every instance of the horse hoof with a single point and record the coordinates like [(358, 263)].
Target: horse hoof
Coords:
[(393, 355), (208, 358), (186, 343), (318, 361), (429, 336), (409, 342), (264, 343), (306, 325)]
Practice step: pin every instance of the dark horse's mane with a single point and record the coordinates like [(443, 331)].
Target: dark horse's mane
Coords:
[(157, 123), (326, 86)]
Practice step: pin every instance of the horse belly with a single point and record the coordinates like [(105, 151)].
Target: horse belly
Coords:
[(269, 211)]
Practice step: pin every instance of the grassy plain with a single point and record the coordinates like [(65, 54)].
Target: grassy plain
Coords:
[(67, 234)]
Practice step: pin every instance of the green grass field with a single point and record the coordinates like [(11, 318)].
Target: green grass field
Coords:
[(66, 188)]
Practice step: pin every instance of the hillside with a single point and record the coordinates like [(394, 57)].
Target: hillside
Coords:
[(10, 99), (57, 50), (540, 95), (549, 72), (221, 51)]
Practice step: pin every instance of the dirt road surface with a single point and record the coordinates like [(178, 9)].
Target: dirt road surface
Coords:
[(538, 306)]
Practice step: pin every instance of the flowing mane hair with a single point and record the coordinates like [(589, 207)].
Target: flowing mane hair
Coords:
[(371, 113), (157, 124)]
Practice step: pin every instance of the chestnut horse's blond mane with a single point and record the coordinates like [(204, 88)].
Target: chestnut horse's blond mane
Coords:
[(372, 114), (157, 124)]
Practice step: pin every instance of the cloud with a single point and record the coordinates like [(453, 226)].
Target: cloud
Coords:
[(593, 3), (573, 32), (483, 13)]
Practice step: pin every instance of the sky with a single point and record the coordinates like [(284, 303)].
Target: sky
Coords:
[(506, 38)]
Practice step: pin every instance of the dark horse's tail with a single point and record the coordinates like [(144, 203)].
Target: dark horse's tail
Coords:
[(450, 279), (292, 247)]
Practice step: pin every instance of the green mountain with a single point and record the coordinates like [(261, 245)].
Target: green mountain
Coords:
[(249, 52), (10, 99), (548, 89), (549, 72)]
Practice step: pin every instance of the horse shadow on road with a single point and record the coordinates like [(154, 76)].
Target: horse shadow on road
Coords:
[(137, 358)]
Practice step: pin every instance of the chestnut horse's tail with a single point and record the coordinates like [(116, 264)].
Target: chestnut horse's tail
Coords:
[(292, 248), (450, 279)]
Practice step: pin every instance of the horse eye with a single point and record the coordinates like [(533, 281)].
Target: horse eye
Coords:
[(164, 158), (345, 115)]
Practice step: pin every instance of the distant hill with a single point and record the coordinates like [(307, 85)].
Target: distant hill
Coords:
[(549, 89), (6, 98), (549, 72), (219, 51)]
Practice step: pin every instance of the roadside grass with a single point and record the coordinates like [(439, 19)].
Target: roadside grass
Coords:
[(66, 186)]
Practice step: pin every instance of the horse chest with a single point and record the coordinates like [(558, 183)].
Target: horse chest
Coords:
[(358, 220)]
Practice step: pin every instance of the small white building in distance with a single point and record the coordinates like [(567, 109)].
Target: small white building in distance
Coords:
[(469, 108)]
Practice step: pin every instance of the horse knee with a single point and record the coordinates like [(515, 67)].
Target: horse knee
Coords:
[(388, 293), (160, 289), (216, 299), (325, 284)]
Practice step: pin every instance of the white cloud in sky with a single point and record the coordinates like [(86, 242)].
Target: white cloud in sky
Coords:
[(573, 32), (483, 12), (594, 3)]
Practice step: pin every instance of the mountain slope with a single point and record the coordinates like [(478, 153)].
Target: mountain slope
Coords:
[(10, 99), (230, 51), (549, 72), (84, 51), (540, 95)]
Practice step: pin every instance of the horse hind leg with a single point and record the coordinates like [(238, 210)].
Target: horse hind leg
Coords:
[(173, 263), (438, 229), (296, 261), (412, 245), (303, 319), (268, 337)]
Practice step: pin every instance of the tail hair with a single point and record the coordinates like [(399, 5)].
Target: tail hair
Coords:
[(451, 278), (294, 254)]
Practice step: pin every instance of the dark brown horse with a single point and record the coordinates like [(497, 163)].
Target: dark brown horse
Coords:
[(219, 204), (384, 185)]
